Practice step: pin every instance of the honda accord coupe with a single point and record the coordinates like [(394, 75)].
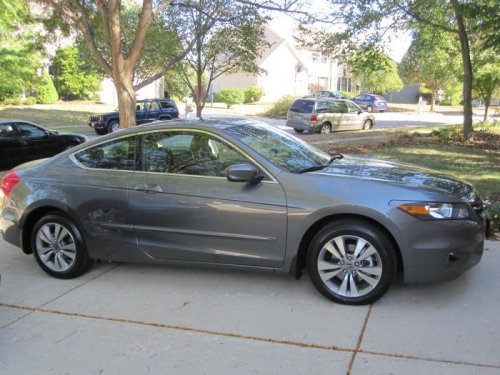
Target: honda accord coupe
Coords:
[(242, 194)]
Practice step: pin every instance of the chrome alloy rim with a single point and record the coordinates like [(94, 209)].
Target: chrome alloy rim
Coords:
[(350, 266), (56, 247)]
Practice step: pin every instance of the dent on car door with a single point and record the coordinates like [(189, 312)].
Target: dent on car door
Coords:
[(104, 173), (184, 208)]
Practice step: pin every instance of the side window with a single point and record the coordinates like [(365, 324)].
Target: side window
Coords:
[(117, 155), (352, 107), (7, 132), (153, 106), (139, 106), (29, 131), (337, 107), (166, 104), (188, 152)]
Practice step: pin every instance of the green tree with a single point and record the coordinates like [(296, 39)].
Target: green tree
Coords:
[(376, 71), (124, 43), (18, 65), (487, 78), (45, 90), (228, 37), (433, 61), (74, 79), (450, 16)]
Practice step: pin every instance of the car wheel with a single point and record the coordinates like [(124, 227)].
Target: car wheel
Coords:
[(69, 145), (100, 131), (298, 130), (325, 129), (369, 108), (58, 247), (352, 262), (113, 126), (367, 125)]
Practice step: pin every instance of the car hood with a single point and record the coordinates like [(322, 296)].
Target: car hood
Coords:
[(408, 175)]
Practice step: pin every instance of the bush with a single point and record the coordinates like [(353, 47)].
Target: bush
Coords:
[(280, 108), (12, 101), (230, 97), (46, 92), (30, 100), (253, 94)]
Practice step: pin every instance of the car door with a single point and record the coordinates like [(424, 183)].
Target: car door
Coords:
[(140, 113), (153, 111), (37, 143), (11, 147), (184, 208)]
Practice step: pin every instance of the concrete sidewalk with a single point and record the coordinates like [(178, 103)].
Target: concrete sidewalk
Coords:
[(137, 319)]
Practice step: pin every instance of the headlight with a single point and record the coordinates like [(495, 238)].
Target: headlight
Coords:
[(437, 211)]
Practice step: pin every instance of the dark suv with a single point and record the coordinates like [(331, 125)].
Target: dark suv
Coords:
[(148, 110)]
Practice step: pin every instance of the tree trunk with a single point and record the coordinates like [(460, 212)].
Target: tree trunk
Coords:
[(433, 100), (126, 103), (467, 68)]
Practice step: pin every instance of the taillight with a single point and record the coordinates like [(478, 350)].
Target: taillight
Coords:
[(314, 119), (9, 182)]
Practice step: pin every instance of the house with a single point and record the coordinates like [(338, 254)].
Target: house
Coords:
[(290, 70)]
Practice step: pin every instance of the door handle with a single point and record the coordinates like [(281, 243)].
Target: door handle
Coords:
[(149, 188)]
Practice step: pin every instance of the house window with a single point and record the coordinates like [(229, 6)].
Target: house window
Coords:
[(344, 84), (319, 57)]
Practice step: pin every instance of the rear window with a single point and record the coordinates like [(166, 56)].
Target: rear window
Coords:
[(302, 106), (378, 97)]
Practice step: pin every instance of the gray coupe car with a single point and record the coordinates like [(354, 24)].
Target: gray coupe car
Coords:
[(242, 194)]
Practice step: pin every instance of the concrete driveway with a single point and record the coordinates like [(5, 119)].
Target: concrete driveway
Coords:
[(138, 319)]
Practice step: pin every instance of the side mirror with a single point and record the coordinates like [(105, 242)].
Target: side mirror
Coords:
[(243, 173)]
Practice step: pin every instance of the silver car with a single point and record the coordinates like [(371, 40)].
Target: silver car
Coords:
[(324, 115), (242, 194)]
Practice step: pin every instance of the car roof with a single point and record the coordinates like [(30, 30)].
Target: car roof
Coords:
[(220, 123)]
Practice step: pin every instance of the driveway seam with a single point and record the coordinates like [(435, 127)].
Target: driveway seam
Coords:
[(355, 351)]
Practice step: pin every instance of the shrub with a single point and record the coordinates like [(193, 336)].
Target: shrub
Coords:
[(30, 100), (280, 108), (253, 94), (230, 97), (46, 92), (12, 101)]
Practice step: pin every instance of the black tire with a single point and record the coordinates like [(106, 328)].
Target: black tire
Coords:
[(346, 275), (100, 131), (113, 126), (367, 125), (58, 247), (369, 109), (325, 129), (298, 130)]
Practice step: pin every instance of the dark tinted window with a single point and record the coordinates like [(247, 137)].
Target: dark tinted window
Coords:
[(302, 106), (30, 131), (188, 152), (118, 154), (166, 104), (7, 131)]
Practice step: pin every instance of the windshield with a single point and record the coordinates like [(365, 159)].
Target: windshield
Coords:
[(283, 150)]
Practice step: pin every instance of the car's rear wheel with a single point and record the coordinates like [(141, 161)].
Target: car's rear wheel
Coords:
[(325, 129), (352, 262), (59, 248), (113, 126), (298, 130), (369, 108), (367, 125)]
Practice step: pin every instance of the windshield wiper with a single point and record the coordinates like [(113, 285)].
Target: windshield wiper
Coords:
[(317, 167)]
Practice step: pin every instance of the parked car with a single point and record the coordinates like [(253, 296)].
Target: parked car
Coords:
[(326, 115), (22, 141), (371, 102), (241, 194), (146, 111), (330, 94)]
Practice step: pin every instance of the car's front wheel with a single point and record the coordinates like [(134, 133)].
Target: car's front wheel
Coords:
[(113, 126), (367, 125), (298, 130), (59, 248), (352, 262), (325, 129), (100, 131)]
